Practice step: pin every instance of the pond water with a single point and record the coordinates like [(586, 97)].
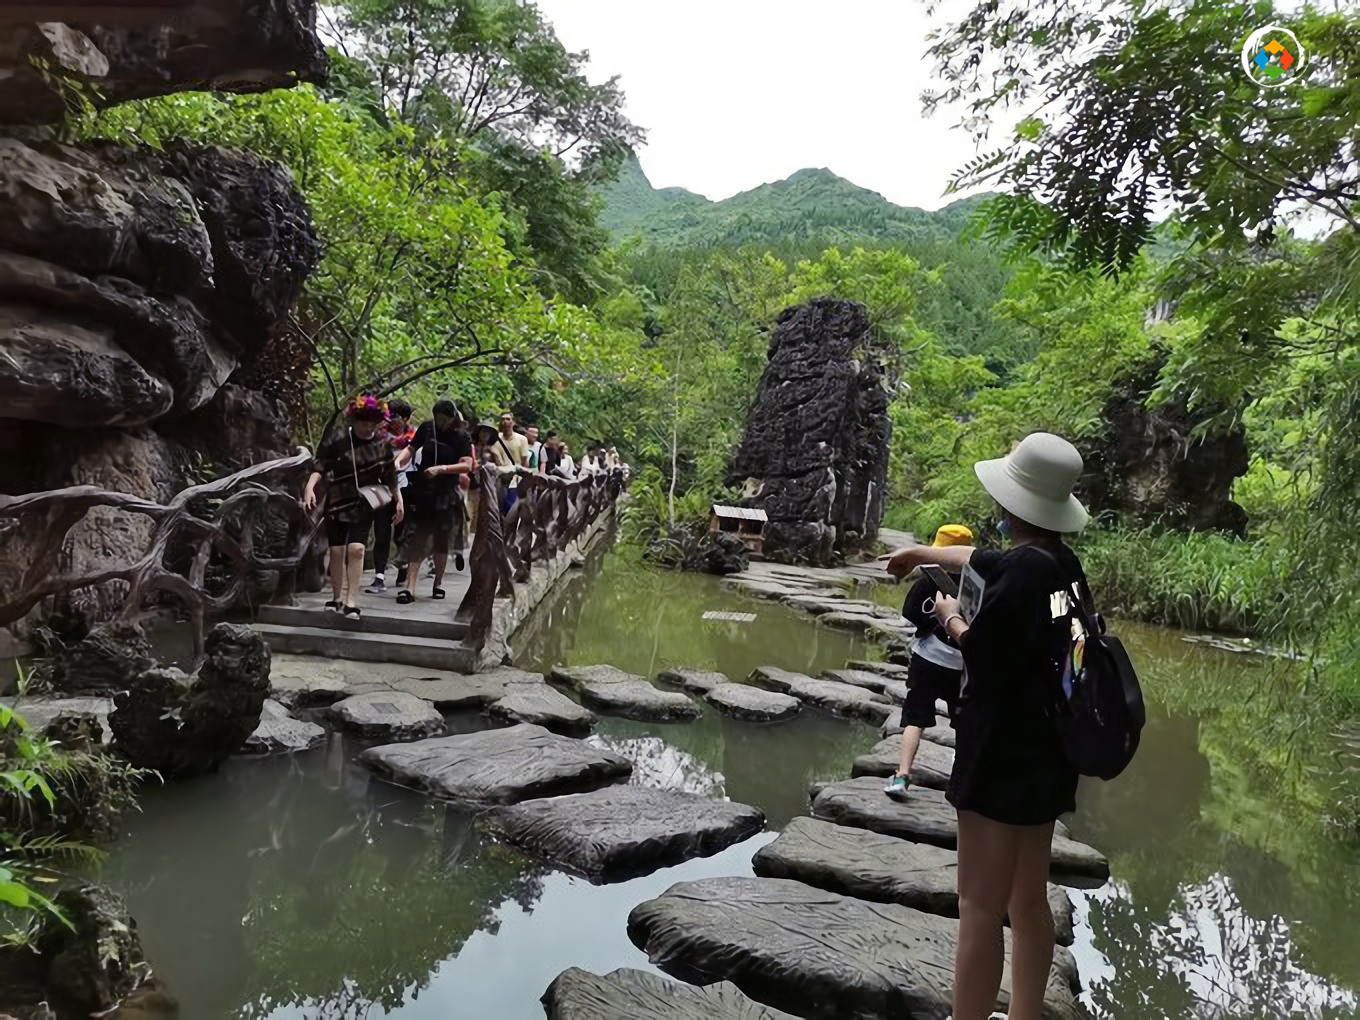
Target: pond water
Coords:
[(302, 889)]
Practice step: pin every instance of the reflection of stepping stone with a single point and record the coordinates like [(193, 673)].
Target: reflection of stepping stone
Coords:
[(638, 995), (614, 692), (388, 715), (830, 695), (624, 831), (926, 817), (498, 766), (742, 701), (816, 952), (280, 733), (541, 705), (932, 765), (696, 681), (870, 866)]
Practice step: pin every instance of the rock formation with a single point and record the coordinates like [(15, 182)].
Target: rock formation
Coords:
[(814, 454), (186, 726), (1145, 466), (140, 289)]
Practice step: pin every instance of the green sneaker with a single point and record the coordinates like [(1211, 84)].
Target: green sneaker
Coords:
[(897, 787)]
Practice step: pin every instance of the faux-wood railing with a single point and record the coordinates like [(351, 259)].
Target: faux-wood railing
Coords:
[(549, 514)]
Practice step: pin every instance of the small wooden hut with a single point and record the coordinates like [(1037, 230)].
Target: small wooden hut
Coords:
[(747, 523)]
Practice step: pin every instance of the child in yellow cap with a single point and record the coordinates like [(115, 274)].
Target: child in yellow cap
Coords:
[(935, 669)]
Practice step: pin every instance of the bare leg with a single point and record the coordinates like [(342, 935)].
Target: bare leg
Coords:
[(987, 861), (336, 562), (911, 740), (1031, 923), (354, 569), (440, 557)]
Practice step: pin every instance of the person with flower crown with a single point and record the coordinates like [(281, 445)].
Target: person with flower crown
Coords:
[(360, 473)]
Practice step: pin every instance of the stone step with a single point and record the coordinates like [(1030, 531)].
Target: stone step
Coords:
[(375, 621), (364, 646)]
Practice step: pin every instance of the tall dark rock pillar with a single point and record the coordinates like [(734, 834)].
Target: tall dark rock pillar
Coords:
[(814, 455)]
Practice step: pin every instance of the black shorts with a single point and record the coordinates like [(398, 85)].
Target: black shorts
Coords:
[(926, 683), (349, 526)]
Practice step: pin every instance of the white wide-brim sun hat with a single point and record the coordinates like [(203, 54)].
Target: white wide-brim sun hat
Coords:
[(1035, 481)]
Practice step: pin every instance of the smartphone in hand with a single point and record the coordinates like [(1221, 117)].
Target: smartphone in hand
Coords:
[(942, 581)]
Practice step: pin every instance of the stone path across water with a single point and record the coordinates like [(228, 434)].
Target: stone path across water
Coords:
[(498, 766), (931, 767), (926, 817), (637, 995), (387, 715), (696, 681), (624, 831), (829, 695), (818, 953), (752, 704), (614, 692), (542, 705), (871, 866)]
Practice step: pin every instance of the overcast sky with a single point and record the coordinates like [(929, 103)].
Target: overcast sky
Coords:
[(737, 93)]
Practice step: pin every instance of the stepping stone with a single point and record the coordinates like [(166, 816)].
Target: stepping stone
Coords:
[(305, 680), (842, 620), (498, 766), (891, 670), (931, 767), (895, 690), (388, 715), (838, 698), (926, 817), (742, 701), (280, 733), (637, 995), (870, 866), (545, 706), (893, 725), (614, 692), (820, 953), (941, 733), (623, 831), (696, 681), (857, 678)]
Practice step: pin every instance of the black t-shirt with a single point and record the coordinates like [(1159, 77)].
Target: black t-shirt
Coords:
[(431, 448)]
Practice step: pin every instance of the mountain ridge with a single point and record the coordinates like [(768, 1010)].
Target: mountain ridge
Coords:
[(812, 203)]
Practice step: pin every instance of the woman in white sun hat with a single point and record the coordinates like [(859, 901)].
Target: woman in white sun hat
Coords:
[(1011, 780)]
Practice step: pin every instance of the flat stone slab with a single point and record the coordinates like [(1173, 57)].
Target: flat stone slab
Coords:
[(696, 681), (931, 767), (637, 995), (542, 705), (280, 733), (893, 724), (926, 817), (303, 680), (40, 712), (820, 953), (891, 670), (501, 766), (829, 695), (858, 678), (614, 692), (387, 715), (623, 831), (753, 704), (884, 869)]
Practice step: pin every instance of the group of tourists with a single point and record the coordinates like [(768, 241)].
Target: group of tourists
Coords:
[(1001, 654), (415, 489)]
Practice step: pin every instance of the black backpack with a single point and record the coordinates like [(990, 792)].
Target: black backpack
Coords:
[(1098, 709)]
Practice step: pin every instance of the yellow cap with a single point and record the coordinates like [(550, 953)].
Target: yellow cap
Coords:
[(952, 534)]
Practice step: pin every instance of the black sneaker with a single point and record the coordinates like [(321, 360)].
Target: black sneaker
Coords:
[(378, 587)]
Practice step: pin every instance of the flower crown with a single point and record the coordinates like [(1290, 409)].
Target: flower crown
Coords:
[(366, 404)]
